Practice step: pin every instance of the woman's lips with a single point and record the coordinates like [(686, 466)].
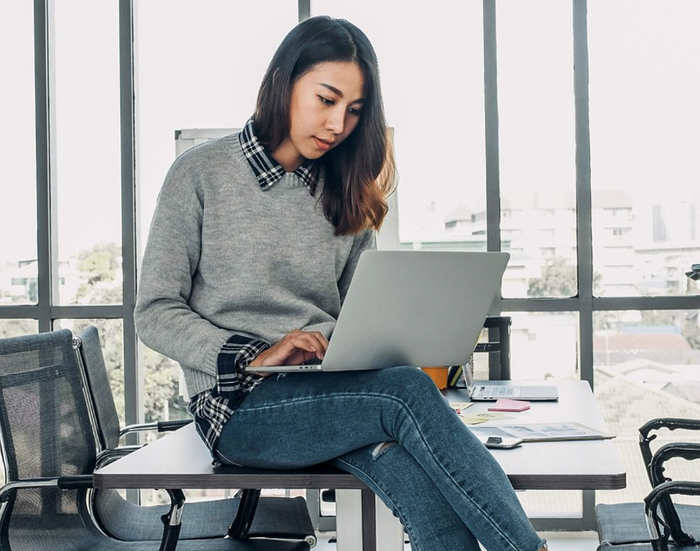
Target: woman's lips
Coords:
[(322, 144)]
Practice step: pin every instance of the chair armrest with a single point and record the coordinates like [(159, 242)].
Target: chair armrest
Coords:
[(63, 482), (159, 426), (684, 450), (645, 437), (659, 495)]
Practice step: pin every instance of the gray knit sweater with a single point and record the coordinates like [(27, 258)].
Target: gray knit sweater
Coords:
[(225, 257)]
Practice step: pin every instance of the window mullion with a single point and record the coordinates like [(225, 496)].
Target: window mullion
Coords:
[(47, 266), (133, 375), (584, 232), (493, 189), (304, 10)]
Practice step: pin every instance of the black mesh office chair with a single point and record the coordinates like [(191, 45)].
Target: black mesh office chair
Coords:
[(248, 516), (658, 524), (49, 450)]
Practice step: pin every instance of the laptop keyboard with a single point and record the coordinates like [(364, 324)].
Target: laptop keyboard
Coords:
[(497, 391)]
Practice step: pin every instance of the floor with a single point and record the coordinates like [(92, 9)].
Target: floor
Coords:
[(557, 541)]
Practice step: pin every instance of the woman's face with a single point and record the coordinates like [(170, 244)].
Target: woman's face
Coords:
[(325, 108)]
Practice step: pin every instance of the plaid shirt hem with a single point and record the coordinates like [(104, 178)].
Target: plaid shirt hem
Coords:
[(211, 409)]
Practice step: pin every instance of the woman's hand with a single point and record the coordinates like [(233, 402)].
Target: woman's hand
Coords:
[(295, 348)]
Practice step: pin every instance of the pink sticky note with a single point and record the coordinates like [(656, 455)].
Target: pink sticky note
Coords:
[(504, 404)]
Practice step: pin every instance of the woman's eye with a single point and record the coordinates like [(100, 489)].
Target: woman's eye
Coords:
[(355, 111), (326, 101)]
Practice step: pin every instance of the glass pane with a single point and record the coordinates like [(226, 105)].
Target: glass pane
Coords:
[(198, 69), (18, 253), (647, 365), (18, 327), (644, 113), (87, 150), (166, 396), (536, 140), (434, 97), (549, 337), (111, 339)]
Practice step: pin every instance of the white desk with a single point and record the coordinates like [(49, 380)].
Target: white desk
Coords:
[(572, 465), (181, 460)]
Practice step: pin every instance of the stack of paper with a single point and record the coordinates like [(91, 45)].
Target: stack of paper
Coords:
[(504, 404), (543, 432)]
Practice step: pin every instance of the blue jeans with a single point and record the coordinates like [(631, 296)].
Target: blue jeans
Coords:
[(437, 478)]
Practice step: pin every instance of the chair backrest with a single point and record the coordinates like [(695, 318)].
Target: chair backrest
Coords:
[(110, 508), (45, 431), (90, 354)]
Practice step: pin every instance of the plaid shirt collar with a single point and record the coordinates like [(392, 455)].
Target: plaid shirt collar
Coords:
[(266, 169)]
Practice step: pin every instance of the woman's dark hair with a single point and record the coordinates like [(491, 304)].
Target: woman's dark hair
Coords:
[(360, 173)]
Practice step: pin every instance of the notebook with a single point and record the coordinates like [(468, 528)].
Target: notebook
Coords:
[(491, 391), (418, 308)]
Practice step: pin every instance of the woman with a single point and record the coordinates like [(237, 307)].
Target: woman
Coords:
[(251, 250)]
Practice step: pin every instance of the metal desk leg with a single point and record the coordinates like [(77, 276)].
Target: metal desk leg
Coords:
[(369, 521)]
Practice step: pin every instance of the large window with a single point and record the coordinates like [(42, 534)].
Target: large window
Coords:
[(561, 132), (646, 211), (432, 81), (18, 249), (644, 118), (537, 144), (86, 152)]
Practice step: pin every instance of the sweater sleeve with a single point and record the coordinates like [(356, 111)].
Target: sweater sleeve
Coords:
[(367, 240), (163, 318)]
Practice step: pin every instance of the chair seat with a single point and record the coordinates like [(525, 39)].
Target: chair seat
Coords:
[(625, 523), (637, 547), (85, 540), (275, 517)]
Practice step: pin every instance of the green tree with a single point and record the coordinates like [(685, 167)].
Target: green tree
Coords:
[(692, 331), (687, 321), (559, 279), (160, 393), (17, 327), (101, 262)]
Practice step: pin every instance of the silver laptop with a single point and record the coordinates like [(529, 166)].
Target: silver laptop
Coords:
[(419, 308), (490, 391)]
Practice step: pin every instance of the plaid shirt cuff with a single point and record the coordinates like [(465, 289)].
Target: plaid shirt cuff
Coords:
[(235, 355)]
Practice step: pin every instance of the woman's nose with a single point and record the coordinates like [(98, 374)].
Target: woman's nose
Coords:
[(336, 121)]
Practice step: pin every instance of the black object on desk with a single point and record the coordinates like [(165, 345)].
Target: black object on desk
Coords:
[(491, 357)]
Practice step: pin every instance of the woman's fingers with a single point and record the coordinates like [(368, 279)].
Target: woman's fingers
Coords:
[(295, 347), (310, 341)]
